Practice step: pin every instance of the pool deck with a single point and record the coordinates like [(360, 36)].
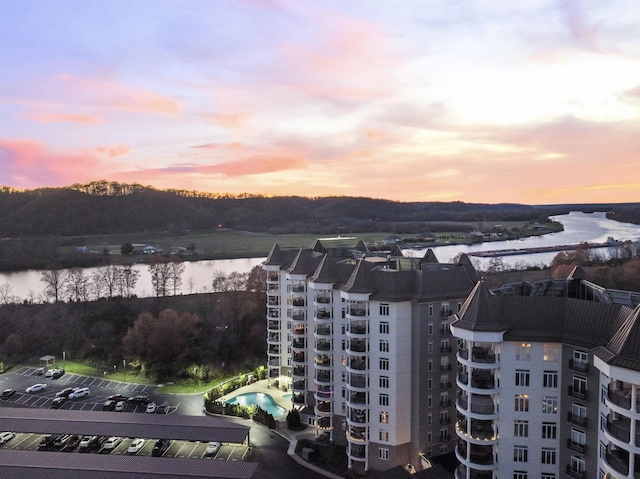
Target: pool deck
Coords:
[(293, 437)]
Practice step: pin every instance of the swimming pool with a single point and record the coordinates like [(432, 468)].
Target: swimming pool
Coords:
[(263, 400)]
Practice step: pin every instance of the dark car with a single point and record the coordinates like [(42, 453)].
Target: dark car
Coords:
[(58, 373), (47, 442), (58, 402), (72, 444), (64, 393), (109, 405), (160, 447), (140, 400), (7, 393), (118, 397), (163, 408)]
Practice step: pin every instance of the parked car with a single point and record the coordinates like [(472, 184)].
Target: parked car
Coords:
[(79, 393), (117, 397), (151, 407), (57, 373), (160, 447), (46, 442), (41, 371), (121, 406), (212, 448), (87, 443), (163, 408), (140, 400), (47, 372), (109, 405), (72, 444), (7, 393), (58, 402), (112, 443), (61, 441), (6, 436), (36, 388), (135, 446), (65, 392)]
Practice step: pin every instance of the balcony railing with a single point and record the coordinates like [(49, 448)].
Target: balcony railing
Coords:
[(323, 345), (298, 302), (359, 416), (323, 376), (298, 316), (618, 461), (299, 330), (298, 398), (476, 408), (298, 385), (323, 360), (323, 314), (323, 330), (573, 472), (445, 367), (576, 446), (445, 349), (355, 328), (358, 398), (323, 299), (357, 312), (273, 325), (299, 371), (298, 358), (577, 420), (358, 346), (298, 343), (619, 429), (358, 451), (274, 373), (445, 421), (619, 397), (297, 288), (581, 366), (358, 364), (445, 385), (479, 355), (579, 393), (324, 406), (358, 381)]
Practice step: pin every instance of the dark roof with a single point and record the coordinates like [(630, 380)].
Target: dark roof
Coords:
[(359, 282), (578, 273), (430, 257), (39, 465), (481, 311), (305, 262), (624, 347), (67, 421)]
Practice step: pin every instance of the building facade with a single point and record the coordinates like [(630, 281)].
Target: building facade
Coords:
[(362, 339)]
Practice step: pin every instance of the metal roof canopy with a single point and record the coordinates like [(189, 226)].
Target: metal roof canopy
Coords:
[(170, 426), (41, 465)]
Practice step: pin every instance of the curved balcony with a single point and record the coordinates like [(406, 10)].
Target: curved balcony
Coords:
[(482, 407), (323, 408), (273, 349), (323, 345), (273, 325), (324, 423), (479, 432), (298, 343), (323, 297), (299, 330), (358, 416), (323, 393), (357, 452), (299, 371), (323, 360), (482, 383), (357, 399), (298, 398), (323, 330), (358, 381), (273, 313), (323, 377), (323, 314), (274, 373), (273, 300), (461, 473), (480, 358), (298, 302), (480, 457), (618, 431), (358, 434), (357, 363), (358, 328), (299, 316), (298, 357), (359, 345), (620, 399), (299, 385), (273, 338), (273, 361), (617, 460)]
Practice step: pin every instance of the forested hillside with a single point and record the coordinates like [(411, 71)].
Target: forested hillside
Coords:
[(109, 208)]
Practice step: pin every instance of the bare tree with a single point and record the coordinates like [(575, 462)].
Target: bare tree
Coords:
[(176, 270), (76, 285), (53, 280), (6, 294), (127, 279), (105, 280), (160, 274)]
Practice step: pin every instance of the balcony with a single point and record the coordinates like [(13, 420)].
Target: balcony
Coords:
[(298, 302), (445, 367), (324, 299), (358, 328), (298, 357), (578, 393), (479, 380), (445, 421), (323, 406), (479, 405), (323, 376), (323, 360), (274, 373), (298, 385), (445, 313), (273, 301), (461, 473), (298, 343), (298, 398), (479, 454), (445, 403), (357, 312), (274, 349), (358, 398), (274, 362), (298, 316), (618, 460), (445, 332), (445, 385), (299, 330), (580, 366), (620, 397), (323, 330), (577, 420), (445, 349), (620, 429), (359, 364), (357, 434), (359, 416), (480, 429), (358, 452), (479, 355), (324, 392), (323, 314), (299, 371), (576, 446), (273, 313), (445, 439), (577, 473), (358, 345), (273, 338), (323, 345), (273, 325), (324, 423), (358, 380)]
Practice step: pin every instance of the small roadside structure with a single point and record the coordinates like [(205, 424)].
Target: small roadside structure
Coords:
[(48, 360)]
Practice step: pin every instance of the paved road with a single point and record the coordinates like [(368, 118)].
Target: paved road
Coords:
[(269, 449)]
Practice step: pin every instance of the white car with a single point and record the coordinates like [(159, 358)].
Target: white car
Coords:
[(212, 448), (112, 442), (151, 407), (36, 387), (79, 393), (6, 436), (136, 445), (121, 406)]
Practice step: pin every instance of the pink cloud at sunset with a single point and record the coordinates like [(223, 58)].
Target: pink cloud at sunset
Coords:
[(444, 101)]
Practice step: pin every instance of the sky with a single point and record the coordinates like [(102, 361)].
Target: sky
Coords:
[(533, 102)]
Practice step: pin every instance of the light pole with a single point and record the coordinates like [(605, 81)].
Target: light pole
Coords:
[(124, 367), (64, 360)]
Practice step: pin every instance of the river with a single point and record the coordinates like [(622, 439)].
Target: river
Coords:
[(578, 227)]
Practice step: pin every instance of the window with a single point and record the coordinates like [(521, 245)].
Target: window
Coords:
[(430, 347), (548, 456), (578, 412), (580, 358), (429, 401), (430, 329), (549, 430), (384, 364), (522, 402), (519, 475), (550, 379), (383, 453), (445, 310), (430, 365), (580, 385), (384, 327), (521, 428), (430, 312), (444, 328), (384, 382), (444, 434), (550, 353), (577, 465), (384, 436), (550, 404), (429, 382), (384, 345), (522, 377), (523, 352), (383, 400), (429, 419), (578, 437), (547, 475), (384, 309), (520, 454)]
